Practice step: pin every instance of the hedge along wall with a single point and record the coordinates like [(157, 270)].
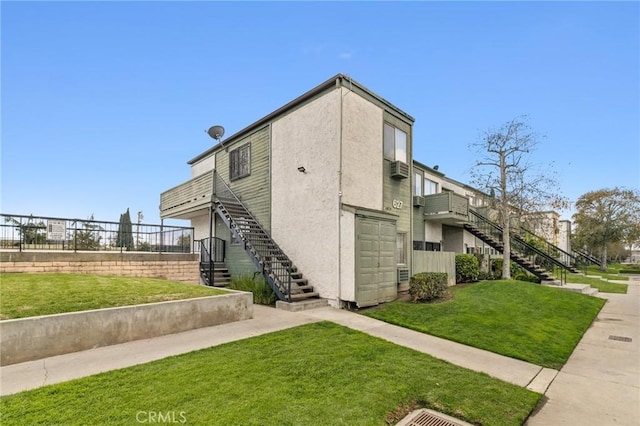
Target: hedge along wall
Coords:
[(435, 261), (181, 267)]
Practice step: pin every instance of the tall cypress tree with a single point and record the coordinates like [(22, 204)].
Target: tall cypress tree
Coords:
[(124, 237)]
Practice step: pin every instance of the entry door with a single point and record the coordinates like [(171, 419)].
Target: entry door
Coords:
[(375, 261)]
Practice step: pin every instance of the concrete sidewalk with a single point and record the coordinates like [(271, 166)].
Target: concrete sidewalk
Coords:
[(28, 375), (600, 383)]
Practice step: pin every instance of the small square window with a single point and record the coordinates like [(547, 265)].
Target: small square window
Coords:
[(239, 162)]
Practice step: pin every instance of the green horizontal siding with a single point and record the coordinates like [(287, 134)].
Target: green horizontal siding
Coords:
[(253, 190)]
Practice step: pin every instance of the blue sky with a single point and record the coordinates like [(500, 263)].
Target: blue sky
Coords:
[(103, 103)]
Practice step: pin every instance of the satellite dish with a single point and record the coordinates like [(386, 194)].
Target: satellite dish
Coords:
[(216, 132)]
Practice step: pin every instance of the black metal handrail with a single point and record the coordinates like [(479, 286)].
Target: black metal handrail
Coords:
[(22, 233), (553, 250), (519, 246), (209, 246), (591, 259), (275, 265)]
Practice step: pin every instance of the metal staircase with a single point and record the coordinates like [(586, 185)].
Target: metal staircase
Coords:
[(531, 258), (276, 267)]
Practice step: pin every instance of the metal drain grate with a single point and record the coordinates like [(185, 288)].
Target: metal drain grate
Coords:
[(426, 417), (621, 338)]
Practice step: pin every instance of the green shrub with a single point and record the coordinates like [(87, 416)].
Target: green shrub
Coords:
[(262, 293), (630, 269), (427, 285), (485, 276), (527, 277), (467, 268), (496, 268)]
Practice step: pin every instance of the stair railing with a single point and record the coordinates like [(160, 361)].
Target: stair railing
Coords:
[(553, 250), (211, 251), (519, 246), (275, 265), (591, 259)]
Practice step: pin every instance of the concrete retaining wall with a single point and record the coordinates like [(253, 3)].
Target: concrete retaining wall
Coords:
[(181, 267), (33, 338)]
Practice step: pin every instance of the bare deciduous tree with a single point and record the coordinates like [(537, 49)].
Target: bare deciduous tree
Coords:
[(503, 169)]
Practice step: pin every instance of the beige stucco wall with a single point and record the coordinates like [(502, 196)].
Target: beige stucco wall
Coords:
[(347, 256), (564, 235), (305, 206), (204, 165), (362, 125), (200, 226), (433, 231)]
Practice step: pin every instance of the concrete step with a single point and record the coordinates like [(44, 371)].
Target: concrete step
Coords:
[(301, 305), (576, 288), (302, 296)]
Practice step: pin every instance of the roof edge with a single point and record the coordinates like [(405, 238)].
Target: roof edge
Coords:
[(337, 80)]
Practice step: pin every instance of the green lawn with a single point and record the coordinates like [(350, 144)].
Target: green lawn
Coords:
[(316, 374), (521, 320), (26, 295), (612, 272), (602, 286)]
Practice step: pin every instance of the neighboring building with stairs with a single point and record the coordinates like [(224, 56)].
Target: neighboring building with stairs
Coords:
[(323, 197)]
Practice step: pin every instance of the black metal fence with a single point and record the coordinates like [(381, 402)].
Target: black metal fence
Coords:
[(22, 233)]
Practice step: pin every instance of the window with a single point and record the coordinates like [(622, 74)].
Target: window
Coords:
[(239, 164), (401, 248), (426, 245), (395, 144), (432, 246), (430, 187), (417, 186)]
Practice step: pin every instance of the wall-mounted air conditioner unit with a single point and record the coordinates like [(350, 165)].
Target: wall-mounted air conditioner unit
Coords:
[(403, 275), (418, 201), (399, 170)]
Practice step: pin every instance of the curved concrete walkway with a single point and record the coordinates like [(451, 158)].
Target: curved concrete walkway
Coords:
[(28, 375), (599, 385)]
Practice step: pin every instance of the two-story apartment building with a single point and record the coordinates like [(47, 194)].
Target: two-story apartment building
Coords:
[(329, 182)]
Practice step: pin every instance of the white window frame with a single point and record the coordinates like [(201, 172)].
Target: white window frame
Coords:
[(417, 185), (392, 137), (432, 185), (401, 248)]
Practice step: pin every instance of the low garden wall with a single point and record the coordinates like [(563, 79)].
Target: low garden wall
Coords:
[(181, 267), (28, 339)]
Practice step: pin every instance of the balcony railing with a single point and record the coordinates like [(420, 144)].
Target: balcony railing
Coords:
[(446, 205), (187, 197)]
